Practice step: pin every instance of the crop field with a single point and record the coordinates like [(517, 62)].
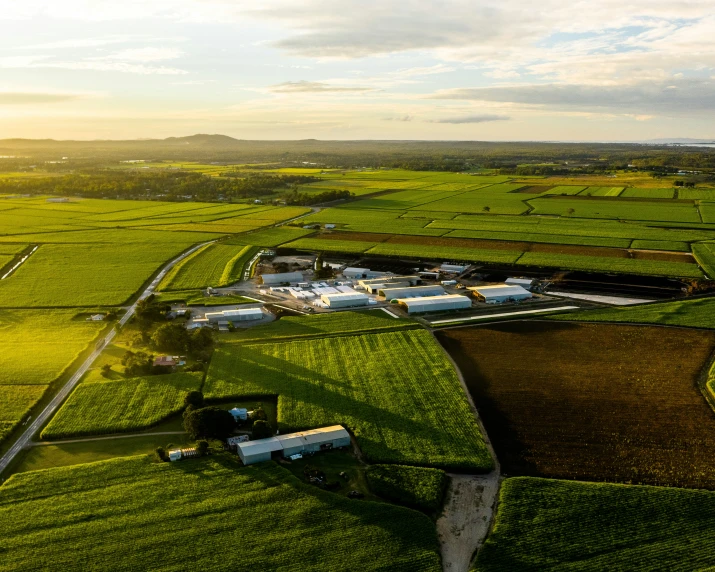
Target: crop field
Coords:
[(12, 249), (68, 517), (271, 237), (697, 194), (592, 402), (566, 190), (542, 238), (417, 487), (216, 265), (122, 405), (319, 325), (37, 347), (615, 209), (559, 525), (650, 193), (603, 192), (671, 245), (612, 264), (403, 401), (404, 199), (64, 275), (17, 400), (447, 252), (705, 255), (321, 244), (694, 313)]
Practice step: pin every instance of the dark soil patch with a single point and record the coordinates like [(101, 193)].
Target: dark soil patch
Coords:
[(592, 402)]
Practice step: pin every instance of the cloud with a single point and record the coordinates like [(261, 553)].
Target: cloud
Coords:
[(403, 118), (315, 87), (29, 98), (124, 61), (691, 95), (471, 119)]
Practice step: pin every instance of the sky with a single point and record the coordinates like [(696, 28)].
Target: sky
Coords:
[(490, 70)]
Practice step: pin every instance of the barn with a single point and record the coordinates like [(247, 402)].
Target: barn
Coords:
[(435, 303), (315, 440), (259, 450), (498, 293)]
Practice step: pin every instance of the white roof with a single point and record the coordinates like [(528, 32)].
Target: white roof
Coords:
[(411, 291), (415, 304), (260, 446), (501, 290), (243, 312), (313, 436), (354, 269), (282, 277), (524, 281), (343, 296)]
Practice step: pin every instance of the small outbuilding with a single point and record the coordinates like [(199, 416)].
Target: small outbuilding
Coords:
[(239, 413), (498, 293), (165, 361)]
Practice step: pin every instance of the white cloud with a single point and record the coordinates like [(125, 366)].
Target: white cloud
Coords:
[(486, 118), (315, 87)]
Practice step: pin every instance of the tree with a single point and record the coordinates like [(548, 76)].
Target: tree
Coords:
[(201, 339), (139, 363), (486, 209), (194, 399), (259, 414), (106, 368), (570, 211), (262, 429), (202, 447), (209, 423), (171, 338), (161, 454)]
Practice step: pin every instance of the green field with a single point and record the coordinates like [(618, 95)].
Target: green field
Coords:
[(270, 237), (546, 524), (616, 209), (705, 255), (317, 244), (215, 265), (123, 405), (320, 325), (694, 313), (208, 514), (417, 487), (396, 391)]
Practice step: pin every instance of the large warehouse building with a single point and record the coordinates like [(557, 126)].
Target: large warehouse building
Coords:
[(311, 441), (497, 293), (283, 278), (435, 303), (361, 273), (345, 300), (413, 292), (241, 315)]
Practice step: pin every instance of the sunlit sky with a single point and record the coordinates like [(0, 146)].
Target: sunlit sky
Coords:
[(358, 69)]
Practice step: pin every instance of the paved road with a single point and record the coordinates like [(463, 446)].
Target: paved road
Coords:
[(26, 438)]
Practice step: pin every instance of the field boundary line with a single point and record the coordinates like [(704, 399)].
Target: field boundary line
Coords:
[(105, 438)]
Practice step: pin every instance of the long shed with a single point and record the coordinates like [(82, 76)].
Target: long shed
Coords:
[(259, 450), (411, 292), (497, 293), (435, 303), (282, 278)]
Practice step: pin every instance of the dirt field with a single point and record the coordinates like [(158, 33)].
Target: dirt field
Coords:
[(592, 401)]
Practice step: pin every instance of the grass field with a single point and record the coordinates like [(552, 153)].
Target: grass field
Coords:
[(200, 511), (123, 405), (417, 487), (215, 265), (559, 525), (592, 402), (270, 237), (705, 255), (396, 391), (616, 209)]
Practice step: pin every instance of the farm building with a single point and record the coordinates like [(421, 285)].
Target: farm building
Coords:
[(96, 318), (311, 441), (178, 454), (329, 226), (453, 268), (375, 288), (165, 361), (242, 315), (259, 450), (239, 413), (410, 292), (393, 279), (497, 293), (283, 278), (314, 440), (360, 273), (345, 300), (435, 303), (523, 282)]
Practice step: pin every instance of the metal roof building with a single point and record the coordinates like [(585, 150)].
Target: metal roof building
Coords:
[(524, 282), (283, 278), (411, 280), (435, 303), (375, 288), (314, 440), (357, 273), (259, 450), (453, 268), (496, 293), (311, 441), (411, 292), (345, 300), (240, 315)]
